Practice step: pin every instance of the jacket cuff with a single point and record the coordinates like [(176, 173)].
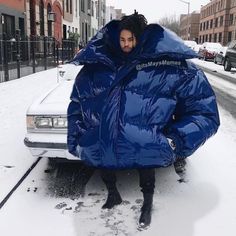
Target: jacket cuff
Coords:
[(178, 143)]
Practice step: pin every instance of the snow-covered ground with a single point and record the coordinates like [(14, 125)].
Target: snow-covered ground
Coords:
[(205, 205), (217, 68)]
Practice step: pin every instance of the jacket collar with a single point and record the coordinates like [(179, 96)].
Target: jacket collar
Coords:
[(155, 42)]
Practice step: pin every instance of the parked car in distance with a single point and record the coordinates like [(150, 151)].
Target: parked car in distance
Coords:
[(230, 56), (220, 56), (46, 118), (208, 50), (191, 44)]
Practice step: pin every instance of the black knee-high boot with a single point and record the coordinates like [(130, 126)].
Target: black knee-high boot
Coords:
[(146, 210), (113, 197), (147, 184)]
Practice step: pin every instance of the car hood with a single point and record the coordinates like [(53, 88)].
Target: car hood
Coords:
[(54, 102)]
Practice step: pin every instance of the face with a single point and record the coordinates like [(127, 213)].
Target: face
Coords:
[(127, 41)]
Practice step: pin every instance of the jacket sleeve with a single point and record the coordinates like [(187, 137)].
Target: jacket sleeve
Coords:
[(196, 115), (74, 116)]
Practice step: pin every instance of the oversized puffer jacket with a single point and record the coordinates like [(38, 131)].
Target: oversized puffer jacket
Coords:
[(123, 108)]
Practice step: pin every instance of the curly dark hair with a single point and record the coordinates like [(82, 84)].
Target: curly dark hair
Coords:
[(135, 23)]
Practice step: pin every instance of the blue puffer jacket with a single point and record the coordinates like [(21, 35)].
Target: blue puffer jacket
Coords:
[(123, 108)]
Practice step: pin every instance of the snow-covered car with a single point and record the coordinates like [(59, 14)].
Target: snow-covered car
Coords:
[(208, 50), (46, 118), (190, 43), (220, 56)]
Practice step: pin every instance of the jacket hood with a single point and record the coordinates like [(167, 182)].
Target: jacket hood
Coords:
[(155, 42)]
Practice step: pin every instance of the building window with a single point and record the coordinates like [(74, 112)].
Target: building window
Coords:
[(82, 6), (89, 4), (211, 23), (67, 5), (221, 20), (89, 31), (83, 31), (32, 18), (49, 9), (209, 37), (9, 26), (76, 8), (71, 6), (207, 24), (215, 38), (216, 22), (231, 19), (41, 17), (92, 10), (22, 26), (220, 37), (229, 36), (200, 26), (98, 10), (64, 31)]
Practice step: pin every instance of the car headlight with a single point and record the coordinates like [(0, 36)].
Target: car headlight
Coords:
[(43, 122), (46, 122), (59, 122)]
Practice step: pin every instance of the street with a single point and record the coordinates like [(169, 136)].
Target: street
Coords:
[(66, 199)]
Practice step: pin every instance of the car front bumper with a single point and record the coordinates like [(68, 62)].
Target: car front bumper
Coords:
[(48, 145)]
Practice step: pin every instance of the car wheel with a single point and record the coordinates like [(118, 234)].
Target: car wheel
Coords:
[(227, 65), (215, 61)]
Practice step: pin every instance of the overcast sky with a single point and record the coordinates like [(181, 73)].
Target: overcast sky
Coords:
[(154, 9)]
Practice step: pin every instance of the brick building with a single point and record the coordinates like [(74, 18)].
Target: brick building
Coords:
[(189, 26), (217, 21), (44, 18), (12, 17)]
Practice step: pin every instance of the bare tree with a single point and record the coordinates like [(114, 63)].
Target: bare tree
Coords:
[(170, 22)]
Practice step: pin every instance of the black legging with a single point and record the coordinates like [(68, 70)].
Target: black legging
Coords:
[(146, 179)]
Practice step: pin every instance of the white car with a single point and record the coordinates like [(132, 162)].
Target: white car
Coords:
[(47, 118), (190, 43)]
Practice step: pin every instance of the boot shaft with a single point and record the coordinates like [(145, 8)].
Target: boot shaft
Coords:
[(147, 200)]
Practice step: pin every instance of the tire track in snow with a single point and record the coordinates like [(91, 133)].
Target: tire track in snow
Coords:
[(3, 202)]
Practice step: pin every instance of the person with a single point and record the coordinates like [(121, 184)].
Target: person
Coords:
[(138, 103)]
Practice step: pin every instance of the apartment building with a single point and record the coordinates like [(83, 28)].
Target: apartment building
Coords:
[(189, 26), (217, 21), (112, 13), (44, 18), (231, 24), (101, 13), (53, 18), (71, 18)]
